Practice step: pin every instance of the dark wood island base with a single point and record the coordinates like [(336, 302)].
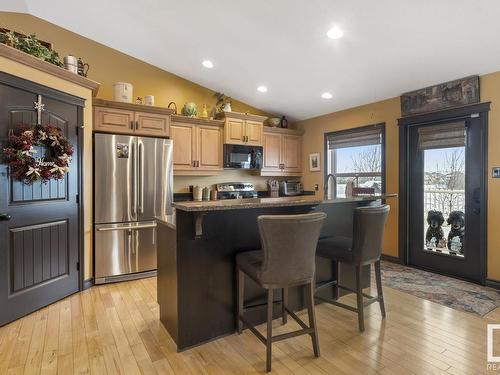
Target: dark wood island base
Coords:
[(196, 255)]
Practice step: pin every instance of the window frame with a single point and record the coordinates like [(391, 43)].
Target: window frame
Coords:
[(326, 158)]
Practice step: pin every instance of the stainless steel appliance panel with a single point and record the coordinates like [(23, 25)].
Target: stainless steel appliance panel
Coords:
[(115, 171), (240, 156), (124, 249), (155, 177)]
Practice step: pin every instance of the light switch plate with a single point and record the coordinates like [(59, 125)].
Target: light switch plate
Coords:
[(495, 172)]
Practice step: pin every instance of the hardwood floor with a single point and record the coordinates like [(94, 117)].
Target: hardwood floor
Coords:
[(114, 329)]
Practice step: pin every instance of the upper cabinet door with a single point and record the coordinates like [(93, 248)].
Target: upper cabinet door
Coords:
[(234, 131), (272, 152), (113, 120), (152, 124), (209, 139), (253, 132), (292, 153), (183, 136)]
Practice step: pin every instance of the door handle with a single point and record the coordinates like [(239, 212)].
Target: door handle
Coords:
[(5, 217), (135, 187), (140, 153), (135, 227)]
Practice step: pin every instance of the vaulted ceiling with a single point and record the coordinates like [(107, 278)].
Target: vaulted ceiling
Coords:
[(388, 47)]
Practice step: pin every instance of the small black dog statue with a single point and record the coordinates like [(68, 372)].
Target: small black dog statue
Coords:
[(457, 232), (434, 235)]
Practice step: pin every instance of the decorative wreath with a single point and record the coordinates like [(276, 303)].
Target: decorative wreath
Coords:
[(28, 167)]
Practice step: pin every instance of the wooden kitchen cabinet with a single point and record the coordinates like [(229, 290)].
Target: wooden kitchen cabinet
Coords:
[(234, 131), (282, 152), (183, 136), (152, 124), (243, 129), (133, 119), (113, 120), (197, 146), (272, 152)]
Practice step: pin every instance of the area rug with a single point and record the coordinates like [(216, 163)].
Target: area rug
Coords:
[(447, 291)]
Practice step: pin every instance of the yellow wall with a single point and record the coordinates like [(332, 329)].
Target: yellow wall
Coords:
[(490, 92), (388, 111)]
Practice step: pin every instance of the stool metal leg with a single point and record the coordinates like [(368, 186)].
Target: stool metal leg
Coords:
[(240, 289), (380, 295), (312, 317), (284, 304), (359, 295), (269, 337)]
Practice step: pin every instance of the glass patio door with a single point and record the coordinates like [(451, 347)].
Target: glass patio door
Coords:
[(445, 192)]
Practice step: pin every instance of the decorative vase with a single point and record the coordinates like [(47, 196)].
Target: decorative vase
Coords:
[(190, 109), (274, 121), (204, 112)]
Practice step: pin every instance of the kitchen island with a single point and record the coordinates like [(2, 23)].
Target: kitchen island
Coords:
[(196, 253)]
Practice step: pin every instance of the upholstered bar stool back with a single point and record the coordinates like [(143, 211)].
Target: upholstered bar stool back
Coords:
[(364, 248), (288, 248), (368, 233), (287, 259)]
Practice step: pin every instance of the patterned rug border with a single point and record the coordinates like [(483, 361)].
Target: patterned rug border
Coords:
[(447, 291)]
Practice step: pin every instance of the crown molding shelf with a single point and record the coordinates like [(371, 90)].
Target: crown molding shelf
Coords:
[(43, 66)]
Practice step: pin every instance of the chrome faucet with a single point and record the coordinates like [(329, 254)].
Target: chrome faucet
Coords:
[(326, 187)]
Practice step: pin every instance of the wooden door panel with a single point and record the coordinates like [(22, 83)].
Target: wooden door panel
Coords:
[(292, 153), (272, 152), (209, 147), (234, 131), (152, 124), (184, 138), (113, 120), (254, 131), (38, 253), (39, 264)]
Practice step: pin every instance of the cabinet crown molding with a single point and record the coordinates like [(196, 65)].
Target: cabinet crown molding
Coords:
[(196, 120), (269, 129), (43, 66), (244, 116), (96, 102)]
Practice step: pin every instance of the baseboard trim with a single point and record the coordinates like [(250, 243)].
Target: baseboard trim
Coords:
[(88, 283), (390, 258), (493, 284)]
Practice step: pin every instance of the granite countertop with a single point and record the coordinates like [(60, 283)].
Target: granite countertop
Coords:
[(235, 204)]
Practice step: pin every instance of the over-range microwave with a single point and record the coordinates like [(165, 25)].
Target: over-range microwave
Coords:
[(244, 157)]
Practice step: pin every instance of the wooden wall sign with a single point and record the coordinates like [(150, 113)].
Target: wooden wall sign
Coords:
[(450, 94)]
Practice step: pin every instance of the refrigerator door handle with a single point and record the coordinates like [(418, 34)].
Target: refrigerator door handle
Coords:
[(128, 227), (128, 254), (141, 175), (134, 180)]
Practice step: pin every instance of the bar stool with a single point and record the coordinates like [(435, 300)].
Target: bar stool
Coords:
[(287, 259), (363, 249)]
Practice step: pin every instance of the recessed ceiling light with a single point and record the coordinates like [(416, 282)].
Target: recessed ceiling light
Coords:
[(327, 95), (262, 89), (335, 33), (207, 64)]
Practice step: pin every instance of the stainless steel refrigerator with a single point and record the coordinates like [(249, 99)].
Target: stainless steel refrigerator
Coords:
[(133, 180)]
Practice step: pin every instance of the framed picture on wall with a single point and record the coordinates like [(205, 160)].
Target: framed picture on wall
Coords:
[(314, 162)]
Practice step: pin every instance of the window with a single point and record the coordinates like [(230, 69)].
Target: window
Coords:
[(355, 157)]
